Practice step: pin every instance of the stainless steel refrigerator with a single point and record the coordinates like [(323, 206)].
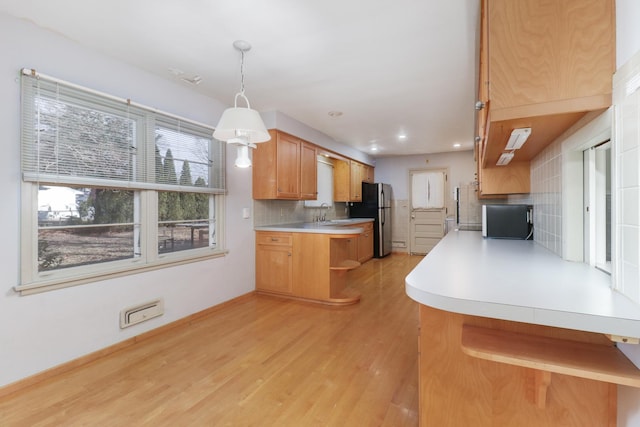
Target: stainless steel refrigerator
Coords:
[(376, 204)]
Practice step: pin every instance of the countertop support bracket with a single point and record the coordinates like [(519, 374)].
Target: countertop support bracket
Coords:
[(542, 380)]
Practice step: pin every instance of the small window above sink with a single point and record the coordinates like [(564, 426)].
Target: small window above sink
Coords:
[(325, 185)]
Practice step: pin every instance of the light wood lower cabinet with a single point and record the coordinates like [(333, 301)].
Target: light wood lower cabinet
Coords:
[(274, 266), (457, 387), (306, 266), (365, 243), (361, 247)]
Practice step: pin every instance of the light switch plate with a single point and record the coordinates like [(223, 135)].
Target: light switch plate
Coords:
[(245, 213)]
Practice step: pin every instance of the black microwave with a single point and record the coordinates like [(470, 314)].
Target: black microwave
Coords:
[(507, 221)]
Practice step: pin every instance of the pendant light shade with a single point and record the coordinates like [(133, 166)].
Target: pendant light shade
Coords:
[(241, 126), (241, 122)]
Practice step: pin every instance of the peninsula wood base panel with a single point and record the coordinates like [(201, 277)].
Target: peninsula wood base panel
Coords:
[(459, 390)]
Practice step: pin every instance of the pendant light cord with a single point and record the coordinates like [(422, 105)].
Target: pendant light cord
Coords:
[(242, 72)]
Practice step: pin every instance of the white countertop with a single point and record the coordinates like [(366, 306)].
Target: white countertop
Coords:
[(521, 281), (341, 226)]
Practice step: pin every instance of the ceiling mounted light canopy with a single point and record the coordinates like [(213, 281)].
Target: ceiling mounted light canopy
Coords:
[(241, 125)]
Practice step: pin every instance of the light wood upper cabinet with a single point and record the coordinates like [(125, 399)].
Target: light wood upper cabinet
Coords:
[(543, 65), (308, 171), (341, 181), (368, 174), (284, 168), (287, 166), (348, 176), (355, 192)]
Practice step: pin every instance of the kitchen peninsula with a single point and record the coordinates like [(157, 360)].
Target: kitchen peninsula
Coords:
[(309, 261), (511, 334)]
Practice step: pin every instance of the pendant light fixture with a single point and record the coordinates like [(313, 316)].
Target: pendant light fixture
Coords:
[(241, 126)]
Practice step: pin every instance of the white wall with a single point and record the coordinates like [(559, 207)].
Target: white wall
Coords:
[(627, 30), (395, 170), (628, 45), (44, 330)]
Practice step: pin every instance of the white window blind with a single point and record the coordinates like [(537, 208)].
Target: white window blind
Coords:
[(76, 136)]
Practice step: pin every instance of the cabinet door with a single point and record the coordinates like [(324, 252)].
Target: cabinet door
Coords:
[(308, 172), (365, 244), (264, 168), (536, 61), (274, 268), (356, 181), (341, 181), (368, 174), (288, 167), (352, 248)]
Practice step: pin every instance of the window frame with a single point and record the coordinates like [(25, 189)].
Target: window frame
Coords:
[(597, 234), (145, 195)]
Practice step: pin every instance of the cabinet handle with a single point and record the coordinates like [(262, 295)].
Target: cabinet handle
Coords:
[(289, 253), (275, 239)]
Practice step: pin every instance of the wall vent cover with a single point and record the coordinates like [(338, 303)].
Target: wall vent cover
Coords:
[(139, 313)]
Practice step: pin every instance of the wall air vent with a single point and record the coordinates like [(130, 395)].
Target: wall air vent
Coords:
[(133, 315), (504, 159), (518, 138)]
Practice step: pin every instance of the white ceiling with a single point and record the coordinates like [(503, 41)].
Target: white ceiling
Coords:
[(390, 66)]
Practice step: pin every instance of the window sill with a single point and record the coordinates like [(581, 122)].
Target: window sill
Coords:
[(165, 261)]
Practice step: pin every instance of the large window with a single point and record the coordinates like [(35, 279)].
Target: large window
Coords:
[(111, 187)]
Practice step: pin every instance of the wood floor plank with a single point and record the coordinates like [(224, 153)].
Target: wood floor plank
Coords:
[(262, 362)]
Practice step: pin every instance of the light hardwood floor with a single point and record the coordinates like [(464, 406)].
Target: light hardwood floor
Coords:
[(262, 361)]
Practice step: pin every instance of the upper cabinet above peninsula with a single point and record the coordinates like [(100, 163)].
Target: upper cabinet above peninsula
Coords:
[(543, 65)]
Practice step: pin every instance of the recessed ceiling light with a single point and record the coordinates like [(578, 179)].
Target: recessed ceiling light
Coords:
[(402, 136), (335, 113), (457, 145), (374, 148)]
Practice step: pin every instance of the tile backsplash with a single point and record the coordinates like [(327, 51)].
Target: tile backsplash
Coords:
[(272, 212), (546, 195)]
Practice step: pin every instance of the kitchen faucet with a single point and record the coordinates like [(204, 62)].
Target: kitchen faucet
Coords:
[(323, 217)]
